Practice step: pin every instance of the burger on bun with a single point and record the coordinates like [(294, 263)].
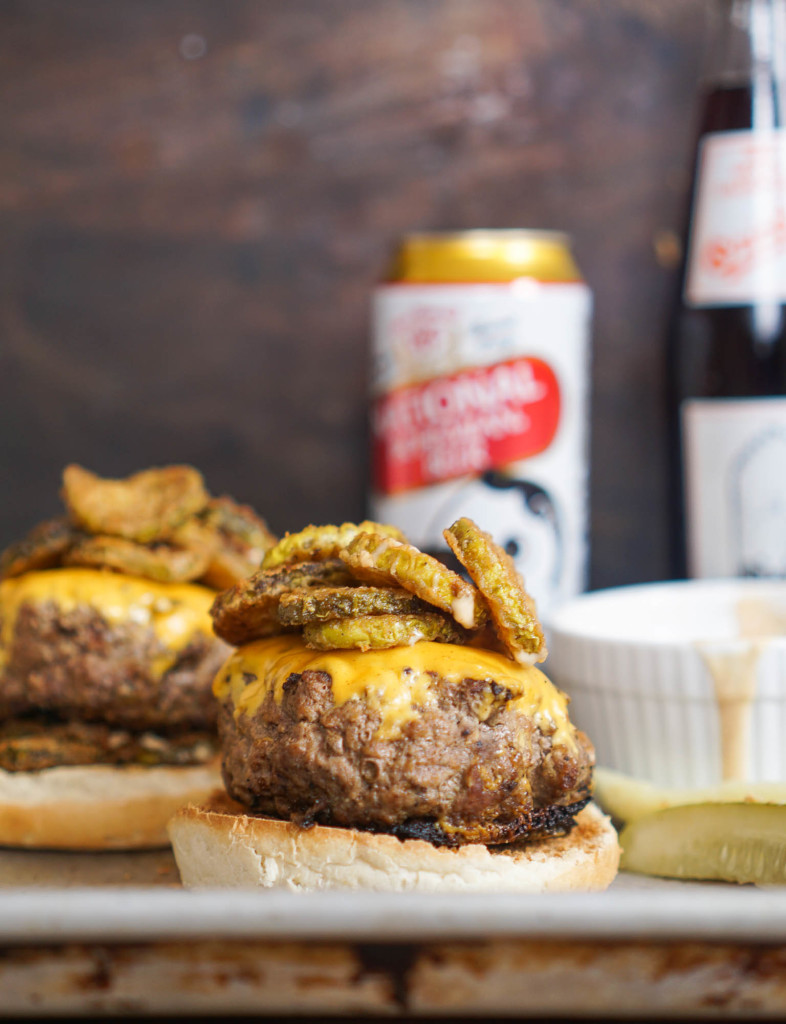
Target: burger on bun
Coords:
[(107, 657), (383, 725)]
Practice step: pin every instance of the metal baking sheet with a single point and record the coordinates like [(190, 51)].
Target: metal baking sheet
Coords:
[(106, 934), (51, 897)]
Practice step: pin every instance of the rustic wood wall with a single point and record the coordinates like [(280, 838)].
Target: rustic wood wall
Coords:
[(196, 197)]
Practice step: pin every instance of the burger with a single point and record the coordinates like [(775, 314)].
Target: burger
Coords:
[(107, 658), (383, 725)]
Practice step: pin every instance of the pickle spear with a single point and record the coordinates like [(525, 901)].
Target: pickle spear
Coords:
[(628, 799), (743, 842)]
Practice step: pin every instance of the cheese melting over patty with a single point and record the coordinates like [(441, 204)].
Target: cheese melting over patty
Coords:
[(175, 612), (396, 683)]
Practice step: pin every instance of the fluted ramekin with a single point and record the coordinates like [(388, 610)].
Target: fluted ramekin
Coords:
[(682, 683)]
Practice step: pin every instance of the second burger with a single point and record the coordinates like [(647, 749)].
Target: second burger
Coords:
[(107, 655)]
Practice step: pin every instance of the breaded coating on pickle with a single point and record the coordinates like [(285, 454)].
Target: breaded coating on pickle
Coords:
[(377, 632), (234, 537), (492, 569), (249, 610), (31, 744), (316, 543), (321, 604), (144, 507), (385, 561), (194, 535), (162, 562), (42, 548)]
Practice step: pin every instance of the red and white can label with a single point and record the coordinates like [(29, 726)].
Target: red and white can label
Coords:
[(466, 422), (479, 408)]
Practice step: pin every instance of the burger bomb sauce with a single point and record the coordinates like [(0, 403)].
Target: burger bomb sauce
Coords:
[(479, 398)]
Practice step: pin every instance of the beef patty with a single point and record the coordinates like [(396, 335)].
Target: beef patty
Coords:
[(454, 774), (77, 665)]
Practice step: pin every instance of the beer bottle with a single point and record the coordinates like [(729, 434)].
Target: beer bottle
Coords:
[(727, 344)]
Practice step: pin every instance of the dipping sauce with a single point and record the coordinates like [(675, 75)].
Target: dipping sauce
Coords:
[(682, 683), (734, 675)]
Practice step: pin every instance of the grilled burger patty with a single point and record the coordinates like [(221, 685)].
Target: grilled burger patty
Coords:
[(77, 665), (467, 768)]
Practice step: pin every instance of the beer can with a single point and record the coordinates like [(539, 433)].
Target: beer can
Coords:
[(480, 376)]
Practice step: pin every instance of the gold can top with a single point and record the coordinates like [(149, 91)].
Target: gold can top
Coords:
[(483, 256)]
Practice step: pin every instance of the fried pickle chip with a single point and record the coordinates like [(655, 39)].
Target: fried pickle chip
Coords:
[(33, 744), (324, 603), (43, 548), (226, 564), (377, 632), (512, 609), (316, 543), (249, 610), (232, 536), (383, 560), (144, 507), (161, 562), (196, 536), (241, 540)]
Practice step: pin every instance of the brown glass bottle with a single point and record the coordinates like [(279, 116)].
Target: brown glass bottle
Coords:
[(727, 344)]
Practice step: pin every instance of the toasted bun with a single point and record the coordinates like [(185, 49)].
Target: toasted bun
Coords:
[(98, 807), (218, 844)]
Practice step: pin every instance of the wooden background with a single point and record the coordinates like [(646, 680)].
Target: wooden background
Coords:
[(197, 196)]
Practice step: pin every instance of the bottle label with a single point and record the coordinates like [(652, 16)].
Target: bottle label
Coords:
[(735, 486), (480, 409), (737, 246)]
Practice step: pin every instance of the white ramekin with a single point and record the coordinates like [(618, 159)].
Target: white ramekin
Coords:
[(641, 666)]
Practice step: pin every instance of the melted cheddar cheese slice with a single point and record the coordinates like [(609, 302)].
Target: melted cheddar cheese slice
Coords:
[(396, 683), (175, 612)]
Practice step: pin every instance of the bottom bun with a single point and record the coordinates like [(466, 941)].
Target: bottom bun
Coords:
[(99, 807), (219, 844)]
